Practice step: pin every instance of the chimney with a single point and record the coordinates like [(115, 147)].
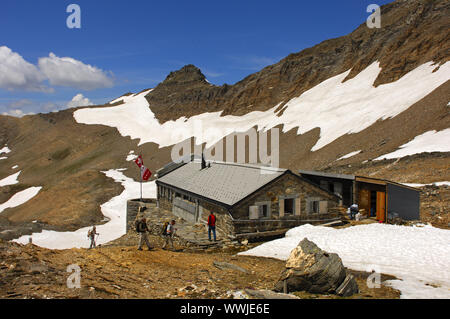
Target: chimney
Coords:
[(203, 162)]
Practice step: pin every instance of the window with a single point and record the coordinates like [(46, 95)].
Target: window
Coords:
[(313, 205), (331, 187), (316, 206), (289, 207), (260, 210), (263, 211)]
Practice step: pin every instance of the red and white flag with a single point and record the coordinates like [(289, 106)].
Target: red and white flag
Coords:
[(145, 172), (139, 162)]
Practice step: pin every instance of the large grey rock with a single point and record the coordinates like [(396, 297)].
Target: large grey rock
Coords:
[(348, 287), (311, 269)]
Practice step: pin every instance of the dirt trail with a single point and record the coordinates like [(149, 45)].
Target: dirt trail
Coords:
[(124, 272)]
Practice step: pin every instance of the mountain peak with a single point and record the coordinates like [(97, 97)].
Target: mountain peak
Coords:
[(186, 75)]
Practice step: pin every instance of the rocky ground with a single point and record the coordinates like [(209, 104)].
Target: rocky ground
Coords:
[(119, 270), (435, 205)]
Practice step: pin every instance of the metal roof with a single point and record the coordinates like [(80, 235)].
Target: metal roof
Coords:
[(323, 174), (227, 183), (354, 178)]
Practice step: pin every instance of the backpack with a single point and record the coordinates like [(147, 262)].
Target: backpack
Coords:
[(89, 233), (138, 224), (164, 230)]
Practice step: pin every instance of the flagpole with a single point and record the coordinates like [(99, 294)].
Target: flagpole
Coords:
[(140, 173)]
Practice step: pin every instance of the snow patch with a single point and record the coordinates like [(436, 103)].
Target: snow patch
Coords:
[(10, 180), (5, 150), (428, 142), (131, 156), (333, 106), (20, 198), (419, 256), (349, 155), (423, 185), (114, 210)]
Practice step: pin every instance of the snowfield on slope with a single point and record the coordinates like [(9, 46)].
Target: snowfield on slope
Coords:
[(419, 256), (114, 210), (5, 150), (10, 180), (423, 185), (428, 142), (349, 155), (20, 198), (332, 106)]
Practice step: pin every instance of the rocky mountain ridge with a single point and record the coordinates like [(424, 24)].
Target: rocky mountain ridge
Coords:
[(412, 33)]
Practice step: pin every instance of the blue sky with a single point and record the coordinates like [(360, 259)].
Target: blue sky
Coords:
[(133, 45)]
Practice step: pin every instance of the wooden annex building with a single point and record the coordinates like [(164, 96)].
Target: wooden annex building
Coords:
[(379, 198), (250, 201)]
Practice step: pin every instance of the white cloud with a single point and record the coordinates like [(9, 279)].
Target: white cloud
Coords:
[(79, 100), (18, 74), (69, 72)]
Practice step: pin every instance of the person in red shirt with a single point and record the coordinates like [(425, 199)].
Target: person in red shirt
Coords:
[(211, 226)]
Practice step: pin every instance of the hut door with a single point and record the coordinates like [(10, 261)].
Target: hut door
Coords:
[(381, 206), (364, 200)]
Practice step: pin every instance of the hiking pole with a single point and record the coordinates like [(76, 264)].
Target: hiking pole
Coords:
[(140, 173)]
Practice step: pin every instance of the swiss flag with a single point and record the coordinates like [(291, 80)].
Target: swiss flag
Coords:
[(145, 173), (139, 162)]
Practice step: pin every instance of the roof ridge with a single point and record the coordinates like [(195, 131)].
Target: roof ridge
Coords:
[(246, 165)]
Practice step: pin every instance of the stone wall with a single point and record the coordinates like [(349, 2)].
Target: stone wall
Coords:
[(133, 207), (165, 204), (184, 209), (288, 186), (224, 222)]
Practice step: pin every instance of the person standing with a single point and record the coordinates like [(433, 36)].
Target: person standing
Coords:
[(354, 209), (142, 229), (170, 232), (91, 235), (211, 226)]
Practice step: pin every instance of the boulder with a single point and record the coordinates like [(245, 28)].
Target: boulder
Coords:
[(348, 287), (311, 269)]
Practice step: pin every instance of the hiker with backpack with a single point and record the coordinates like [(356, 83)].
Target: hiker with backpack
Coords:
[(354, 209), (168, 233), (91, 235), (142, 229), (211, 226)]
